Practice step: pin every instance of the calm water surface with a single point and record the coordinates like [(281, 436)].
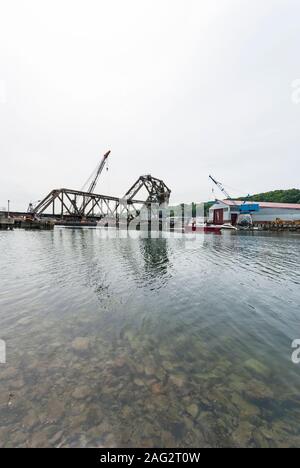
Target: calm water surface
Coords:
[(149, 342)]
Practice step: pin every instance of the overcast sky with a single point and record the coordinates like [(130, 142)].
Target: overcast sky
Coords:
[(178, 89)]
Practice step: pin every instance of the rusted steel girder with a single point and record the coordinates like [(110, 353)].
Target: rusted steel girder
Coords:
[(79, 204), (74, 203)]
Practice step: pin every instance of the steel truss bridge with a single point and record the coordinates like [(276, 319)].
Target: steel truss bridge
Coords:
[(64, 204)]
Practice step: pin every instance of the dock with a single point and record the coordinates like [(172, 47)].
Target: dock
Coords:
[(6, 223), (34, 224), (25, 222), (278, 226)]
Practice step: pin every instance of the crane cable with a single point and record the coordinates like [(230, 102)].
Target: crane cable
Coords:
[(92, 176)]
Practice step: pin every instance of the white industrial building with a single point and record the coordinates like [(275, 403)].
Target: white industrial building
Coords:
[(227, 211)]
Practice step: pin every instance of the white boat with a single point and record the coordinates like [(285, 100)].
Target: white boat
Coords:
[(198, 225), (228, 227)]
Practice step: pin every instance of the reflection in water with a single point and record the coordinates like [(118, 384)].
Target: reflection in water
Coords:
[(156, 261), (140, 342)]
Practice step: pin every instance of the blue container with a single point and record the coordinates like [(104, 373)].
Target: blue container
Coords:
[(249, 208)]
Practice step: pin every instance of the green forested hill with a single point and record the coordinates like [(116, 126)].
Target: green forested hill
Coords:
[(277, 196)]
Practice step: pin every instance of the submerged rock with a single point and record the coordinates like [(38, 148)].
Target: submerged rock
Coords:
[(167, 439), (56, 410), (256, 390), (245, 408), (193, 410), (19, 439), (243, 434), (8, 373), (148, 370), (17, 384), (177, 380), (30, 420), (156, 388), (39, 439), (56, 438), (119, 362), (126, 411), (168, 365), (260, 440), (81, 392), (165, 352), (80, 343), (139, 382), (257, 367)]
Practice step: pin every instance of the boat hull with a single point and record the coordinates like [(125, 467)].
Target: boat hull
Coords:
[(206, 229)]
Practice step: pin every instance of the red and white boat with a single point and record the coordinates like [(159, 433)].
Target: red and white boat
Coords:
[(202, 227)]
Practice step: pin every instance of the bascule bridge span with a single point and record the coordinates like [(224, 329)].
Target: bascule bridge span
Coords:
[(67, 204)]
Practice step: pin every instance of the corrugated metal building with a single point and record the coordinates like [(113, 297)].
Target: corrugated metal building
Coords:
[(227, 211)]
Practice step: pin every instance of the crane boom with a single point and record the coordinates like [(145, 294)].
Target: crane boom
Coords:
[(93, 184), (221, 187), (99, 170), (245, 211)]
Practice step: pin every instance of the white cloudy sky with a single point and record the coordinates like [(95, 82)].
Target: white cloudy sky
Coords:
[(178, 89)]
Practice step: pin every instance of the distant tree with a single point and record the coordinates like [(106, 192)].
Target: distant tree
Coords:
[(276, 196)]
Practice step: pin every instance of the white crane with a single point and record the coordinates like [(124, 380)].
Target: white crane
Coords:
[(221, 187)]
